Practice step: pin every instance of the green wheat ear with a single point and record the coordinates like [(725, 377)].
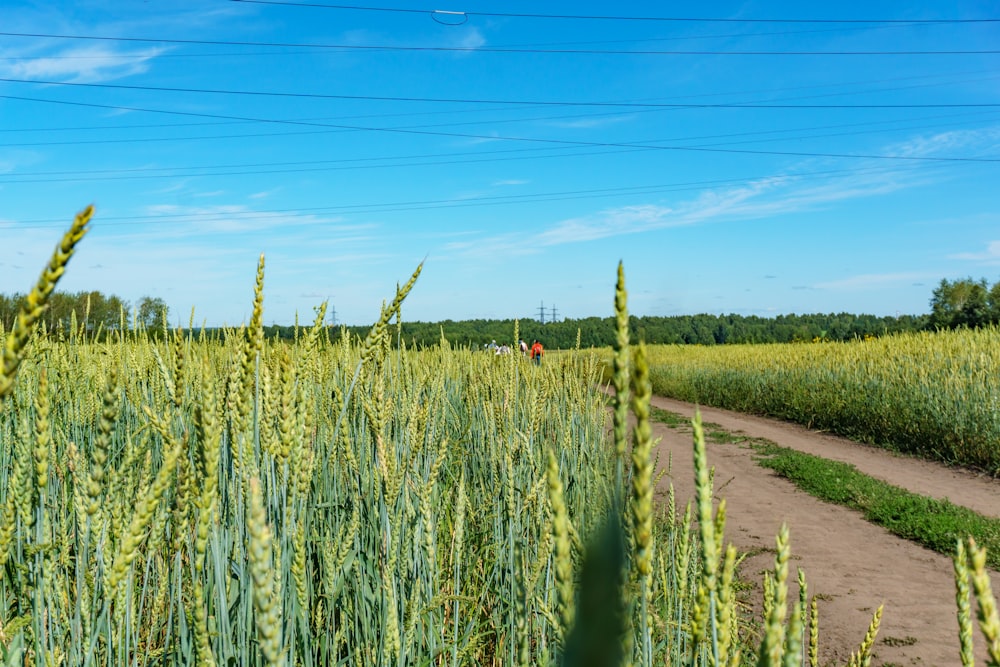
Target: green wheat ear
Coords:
[(34, 305), (620, 377)]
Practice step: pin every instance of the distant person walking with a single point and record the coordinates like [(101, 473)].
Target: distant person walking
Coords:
[(523, 347), (537, 352)]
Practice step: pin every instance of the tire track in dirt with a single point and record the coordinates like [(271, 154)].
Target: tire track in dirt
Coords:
[(850, 564)]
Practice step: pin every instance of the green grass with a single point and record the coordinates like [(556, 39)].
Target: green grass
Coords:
[(671, 419), (934, 523)]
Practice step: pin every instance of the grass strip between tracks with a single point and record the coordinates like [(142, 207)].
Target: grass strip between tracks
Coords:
[(934, 523)]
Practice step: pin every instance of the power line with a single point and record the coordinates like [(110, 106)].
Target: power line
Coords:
[(140, 140), (495, 49), (77, 142), (142, 126), (147, 140), (672, 19), (563, 142), (351, 163), (455, 100), (306, 166), (675, 38), (408, 113), (146, 56)]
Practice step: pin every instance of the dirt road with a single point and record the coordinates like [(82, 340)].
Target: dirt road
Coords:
[(850, 564)]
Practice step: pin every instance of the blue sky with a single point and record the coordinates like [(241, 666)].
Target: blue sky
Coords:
[(747, 164)]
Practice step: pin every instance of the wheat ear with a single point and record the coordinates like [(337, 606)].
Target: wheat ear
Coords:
[(564, 558), (620, 377), (989, 618), (266, 604), (36, 301), (961, 566)]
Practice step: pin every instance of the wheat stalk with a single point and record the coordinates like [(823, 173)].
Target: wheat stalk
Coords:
[(133, 535)]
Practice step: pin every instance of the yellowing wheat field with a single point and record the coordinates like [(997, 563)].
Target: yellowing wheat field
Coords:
[(935, 394)]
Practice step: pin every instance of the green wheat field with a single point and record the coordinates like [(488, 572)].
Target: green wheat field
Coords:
[(225, 499)]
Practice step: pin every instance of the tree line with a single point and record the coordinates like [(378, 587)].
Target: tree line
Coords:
[(959, 303), (965, 303), (685, 329), (89, 311)]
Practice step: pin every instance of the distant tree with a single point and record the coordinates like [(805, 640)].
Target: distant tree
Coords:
[(993, 300), (960, 303), (151, 311), (114, 308), (59, 312), (91, 311), (100, 312), (9, 305)]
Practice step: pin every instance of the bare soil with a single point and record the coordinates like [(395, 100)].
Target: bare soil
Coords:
[(851, 565)]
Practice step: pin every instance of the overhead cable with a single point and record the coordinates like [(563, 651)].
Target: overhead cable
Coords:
[(492, 101), (541, 140), (492, 49), (612, 17)]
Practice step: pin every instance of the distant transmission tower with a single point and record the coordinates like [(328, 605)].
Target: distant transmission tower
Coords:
[(541, 312), (333, 315), (554, 313)]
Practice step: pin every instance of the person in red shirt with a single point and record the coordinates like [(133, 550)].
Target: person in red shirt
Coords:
[(537, 352)]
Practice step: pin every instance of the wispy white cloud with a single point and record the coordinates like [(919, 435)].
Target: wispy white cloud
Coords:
[(173, 220), (264, 194), (713, 204), (981, 140), (509, 181), (472, 38), (13, 159), (589, 123), (496, 246), (989, 256), (777, 195), (167, 189), (609, 222), (80, 64)]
